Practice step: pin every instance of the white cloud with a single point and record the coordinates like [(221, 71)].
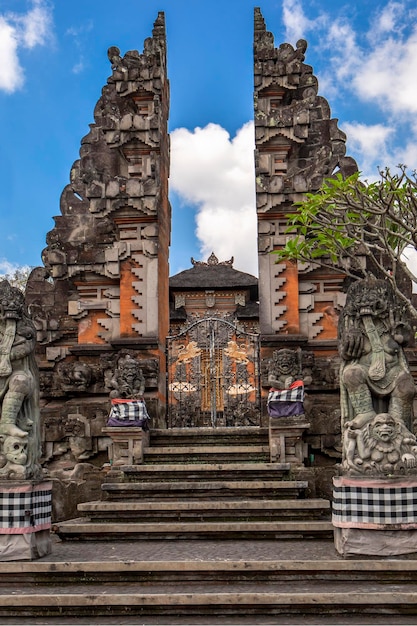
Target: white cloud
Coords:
[(11, 72), (8, 268), (387, 76), (35, 25), (21, 31), (407, 155), (375, 63), (341, 38), (369, 145), (80, 35), (296, 23), (379, 66), (216, 174), (390, 18)]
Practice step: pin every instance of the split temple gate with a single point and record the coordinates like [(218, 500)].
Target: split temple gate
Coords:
[(104, 291)]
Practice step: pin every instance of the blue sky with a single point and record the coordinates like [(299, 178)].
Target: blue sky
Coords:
[(54, 63)]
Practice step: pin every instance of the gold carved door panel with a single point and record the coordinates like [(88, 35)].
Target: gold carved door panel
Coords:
[(213, 376)]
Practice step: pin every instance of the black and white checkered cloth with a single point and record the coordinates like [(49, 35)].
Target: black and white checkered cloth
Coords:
[(295, 393), (374, 504), (131, 411), (25, 509)]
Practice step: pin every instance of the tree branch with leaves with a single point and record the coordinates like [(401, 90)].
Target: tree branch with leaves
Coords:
[(351, 225)]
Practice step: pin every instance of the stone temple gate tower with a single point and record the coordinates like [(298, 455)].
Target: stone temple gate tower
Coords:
[(103, 293), (297, 146), (107, 256)]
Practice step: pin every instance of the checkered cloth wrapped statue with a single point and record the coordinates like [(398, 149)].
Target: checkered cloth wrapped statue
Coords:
[(286, 396), (128, 406)]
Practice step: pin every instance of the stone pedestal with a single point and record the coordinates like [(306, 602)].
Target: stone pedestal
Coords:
[(25, 520), (286, 443), (128, 445), (375, 516)]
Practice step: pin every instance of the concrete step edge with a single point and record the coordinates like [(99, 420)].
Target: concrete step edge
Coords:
[(255, 467), (205, 449), (224, 505), (280, 567), (203, 431), (208, 485), (61, 600), (82, 525)]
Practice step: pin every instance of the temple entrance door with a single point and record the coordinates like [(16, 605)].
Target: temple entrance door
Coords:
[(213, 376)]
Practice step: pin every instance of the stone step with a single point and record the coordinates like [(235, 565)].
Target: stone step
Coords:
[(84, 529), (206, 471), (219, 453), (209, 436), (395, 571), (105, 599), (225, 510), (210, 489)]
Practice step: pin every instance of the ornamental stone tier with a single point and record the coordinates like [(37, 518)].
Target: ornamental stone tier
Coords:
[(103, 292)]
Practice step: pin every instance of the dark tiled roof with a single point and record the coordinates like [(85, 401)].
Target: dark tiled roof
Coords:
[(212, 277)]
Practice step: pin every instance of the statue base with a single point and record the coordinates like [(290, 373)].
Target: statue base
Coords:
[(375, 516), (286, 443), (128, 444), (25, 520)]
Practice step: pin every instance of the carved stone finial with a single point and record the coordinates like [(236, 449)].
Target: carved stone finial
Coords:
[(212, 260)]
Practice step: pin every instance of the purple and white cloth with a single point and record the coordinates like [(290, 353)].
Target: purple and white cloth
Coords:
[(286, 402), (128, 413)]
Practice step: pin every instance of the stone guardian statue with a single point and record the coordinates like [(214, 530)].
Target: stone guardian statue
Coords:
[(376, 386), (19, 389)]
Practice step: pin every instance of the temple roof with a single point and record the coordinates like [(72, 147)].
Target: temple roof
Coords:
[(213, 275)]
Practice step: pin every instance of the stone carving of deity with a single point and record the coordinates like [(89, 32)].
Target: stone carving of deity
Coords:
[(19, 389), (377, 389)]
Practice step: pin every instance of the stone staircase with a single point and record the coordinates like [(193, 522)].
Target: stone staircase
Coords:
[(218, 589), (202, 483), (206, 529)]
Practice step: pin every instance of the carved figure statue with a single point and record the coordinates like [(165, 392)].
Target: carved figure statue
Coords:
[(128, 380), (14, 456), (19, 407), (377, 389), (383, 446), (74, 376), (286, 396), (128, 405)]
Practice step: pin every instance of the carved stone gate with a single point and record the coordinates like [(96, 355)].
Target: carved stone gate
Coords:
[(213, 376)]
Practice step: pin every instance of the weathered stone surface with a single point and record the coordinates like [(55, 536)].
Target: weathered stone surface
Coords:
[(103, 292), (19, 389), (377, 389), (297, 146)]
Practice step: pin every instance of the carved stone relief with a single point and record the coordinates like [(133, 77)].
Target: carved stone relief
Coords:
[(377, 389)]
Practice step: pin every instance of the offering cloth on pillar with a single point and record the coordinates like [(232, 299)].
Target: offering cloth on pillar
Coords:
[(286, 402), (375, 503), (25, 508), (128, 413)]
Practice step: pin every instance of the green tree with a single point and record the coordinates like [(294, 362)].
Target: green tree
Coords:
[(351, 225), (18, 277)]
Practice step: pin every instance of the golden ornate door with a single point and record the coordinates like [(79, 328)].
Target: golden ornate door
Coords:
[(213, 376)]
